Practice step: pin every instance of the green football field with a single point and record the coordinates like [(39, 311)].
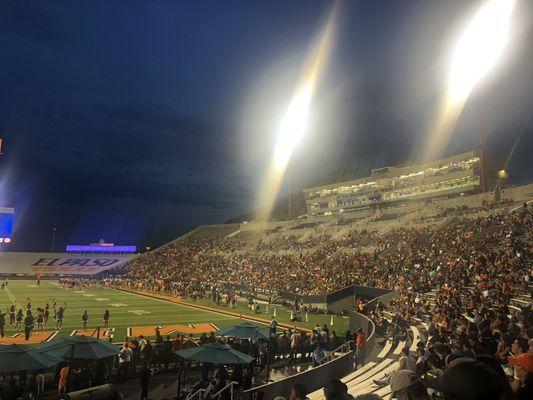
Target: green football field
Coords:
[(130, 310)]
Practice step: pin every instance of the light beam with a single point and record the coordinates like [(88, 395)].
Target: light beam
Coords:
[(476, 52), (293, 124)]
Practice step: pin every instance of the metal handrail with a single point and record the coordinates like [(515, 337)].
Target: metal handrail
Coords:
[(200, 393), (229, 385), (344, 348), (345, 344)]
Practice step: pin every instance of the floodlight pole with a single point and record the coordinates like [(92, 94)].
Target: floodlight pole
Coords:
[(289, 188), (482, 153), (290, 202), (52, 245)]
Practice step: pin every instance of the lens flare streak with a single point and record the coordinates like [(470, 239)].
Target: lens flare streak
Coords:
[(293, 124), (477, 50)]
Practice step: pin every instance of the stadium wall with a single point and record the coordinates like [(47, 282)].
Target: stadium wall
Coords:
[(59, 264), (344, 299), (385, 299), (317, 377)]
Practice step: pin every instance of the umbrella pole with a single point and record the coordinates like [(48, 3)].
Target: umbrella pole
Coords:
[(69, 376), (268, 362), (179, 382)]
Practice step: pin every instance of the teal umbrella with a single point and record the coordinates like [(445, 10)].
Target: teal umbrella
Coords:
[(215, 353), (245, 331), (15, 358), (79, 348)]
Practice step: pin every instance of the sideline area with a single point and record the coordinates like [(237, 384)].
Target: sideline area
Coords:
[(136, 318), (248, 317)]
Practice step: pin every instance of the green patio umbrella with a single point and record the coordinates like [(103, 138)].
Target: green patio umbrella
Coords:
[(79, 348), (245, 330), (15, 358), (215, 353)]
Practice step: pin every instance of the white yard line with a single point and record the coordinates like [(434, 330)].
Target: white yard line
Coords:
[(10, 295), (244, 316)]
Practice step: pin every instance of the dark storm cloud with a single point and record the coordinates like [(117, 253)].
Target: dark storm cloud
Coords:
[(35, 21), (132, 152)]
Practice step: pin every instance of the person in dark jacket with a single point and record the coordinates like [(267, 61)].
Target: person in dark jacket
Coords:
[(28, 325), (145, 381)]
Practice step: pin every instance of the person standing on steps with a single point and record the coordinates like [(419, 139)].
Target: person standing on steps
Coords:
[(360, 344)]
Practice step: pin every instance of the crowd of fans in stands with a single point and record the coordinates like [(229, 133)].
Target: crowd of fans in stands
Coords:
[(459, 252), (473, 266), (459, 278), (197, 263)]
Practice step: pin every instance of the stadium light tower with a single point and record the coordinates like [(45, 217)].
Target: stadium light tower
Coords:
[(293, 124), (477, 51), (479, 48), (291, 131)]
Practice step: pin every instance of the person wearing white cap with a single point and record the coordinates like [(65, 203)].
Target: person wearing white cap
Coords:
[(406, 385)]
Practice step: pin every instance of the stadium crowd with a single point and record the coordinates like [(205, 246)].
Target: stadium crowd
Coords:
[(462, 251), (460, 278), (201, 263), (472, 266)]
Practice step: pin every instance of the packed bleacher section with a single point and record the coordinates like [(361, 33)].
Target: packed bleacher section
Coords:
[(463, 307), (463, 250), (466, 278)]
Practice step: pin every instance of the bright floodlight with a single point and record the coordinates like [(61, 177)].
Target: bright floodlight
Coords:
[(479, 48), (477, 51), (293, 125), (294, 122)]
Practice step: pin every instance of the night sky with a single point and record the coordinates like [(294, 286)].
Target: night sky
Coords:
[(135, 121)]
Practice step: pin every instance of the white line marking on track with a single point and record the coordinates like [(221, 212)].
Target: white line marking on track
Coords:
[(118, 305), (139, 312), (243, 316)]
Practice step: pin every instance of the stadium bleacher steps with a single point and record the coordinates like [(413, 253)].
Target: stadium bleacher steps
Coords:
[(369, 375), (365, 370), (368, 386), (383, 392), (233, 233), (416, 338), (445, 224), (521, 301), (386, 349)]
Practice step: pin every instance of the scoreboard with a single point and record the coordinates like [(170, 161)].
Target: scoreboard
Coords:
[(6, 224)]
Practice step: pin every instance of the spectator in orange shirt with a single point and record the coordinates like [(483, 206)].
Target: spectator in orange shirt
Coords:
[(360, 342), (63, 380)]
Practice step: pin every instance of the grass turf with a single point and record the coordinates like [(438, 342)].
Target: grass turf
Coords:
[(129, 310)]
